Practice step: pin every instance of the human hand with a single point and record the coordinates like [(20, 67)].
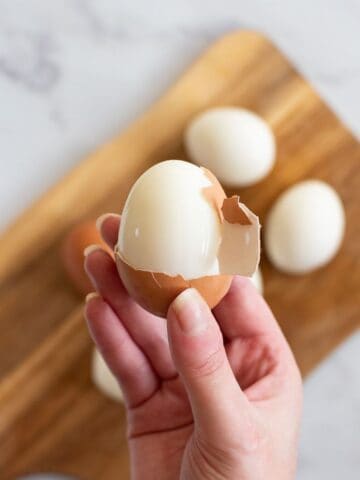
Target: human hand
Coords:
[(208, 395)]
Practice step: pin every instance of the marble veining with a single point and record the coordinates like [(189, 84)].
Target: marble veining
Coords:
[(28, 59)]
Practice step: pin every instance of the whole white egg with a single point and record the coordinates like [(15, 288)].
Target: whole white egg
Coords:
[(237, 145), (104, 379), (305, 227)]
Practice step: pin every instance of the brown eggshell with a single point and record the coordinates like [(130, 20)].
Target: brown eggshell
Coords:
[(156, 291), (72, 253)]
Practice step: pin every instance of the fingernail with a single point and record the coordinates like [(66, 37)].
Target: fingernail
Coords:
[(191, 317), (90, 296), (90, 249), (100, 220)]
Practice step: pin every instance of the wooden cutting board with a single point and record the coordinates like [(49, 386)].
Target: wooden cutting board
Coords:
[(51, 417)]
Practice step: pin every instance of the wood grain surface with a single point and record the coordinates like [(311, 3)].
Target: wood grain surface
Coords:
[(51, 417)]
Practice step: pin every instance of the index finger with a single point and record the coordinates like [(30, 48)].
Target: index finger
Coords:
[(108, 226)]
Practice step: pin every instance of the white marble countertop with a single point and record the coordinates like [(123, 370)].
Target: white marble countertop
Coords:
[(63, 67)]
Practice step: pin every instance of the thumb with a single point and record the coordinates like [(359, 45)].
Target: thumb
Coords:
[(197, 347)]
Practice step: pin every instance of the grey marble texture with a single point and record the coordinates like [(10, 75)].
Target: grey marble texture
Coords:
[(65, 65), (330, 437)]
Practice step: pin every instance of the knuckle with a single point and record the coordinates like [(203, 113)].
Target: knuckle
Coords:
[(208, 366)]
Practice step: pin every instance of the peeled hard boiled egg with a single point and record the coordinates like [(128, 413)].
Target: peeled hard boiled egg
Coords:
[(103, 378), (305, 227), (179, 230), (237, 145)]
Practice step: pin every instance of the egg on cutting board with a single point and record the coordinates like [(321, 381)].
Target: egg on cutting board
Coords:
[(103, 378), (179, 230), (236, 144), (305, 227)]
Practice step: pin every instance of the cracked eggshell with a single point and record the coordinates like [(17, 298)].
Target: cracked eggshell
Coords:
[(237, 145), (178, 230), (156, 291), (305, 227), (103, 378)]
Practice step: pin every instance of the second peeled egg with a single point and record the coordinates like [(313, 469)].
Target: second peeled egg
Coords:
[(237, 145)]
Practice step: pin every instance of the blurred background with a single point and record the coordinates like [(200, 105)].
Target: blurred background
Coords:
[(74, 74)]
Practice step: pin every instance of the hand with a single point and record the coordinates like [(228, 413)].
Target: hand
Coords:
[(209, 395)]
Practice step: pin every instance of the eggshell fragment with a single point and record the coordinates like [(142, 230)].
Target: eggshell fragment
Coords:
[(305, 227), (155, 291), (178, 230), (237, 145), (72, 253), (103, 378), (239, 251)]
